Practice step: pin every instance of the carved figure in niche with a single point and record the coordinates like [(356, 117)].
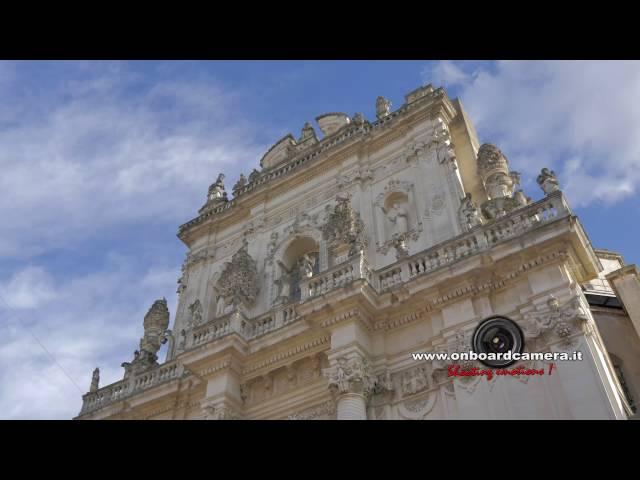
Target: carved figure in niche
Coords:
[(220, 305), (285, 281), (399, 217), (306, 264), (196, 313)]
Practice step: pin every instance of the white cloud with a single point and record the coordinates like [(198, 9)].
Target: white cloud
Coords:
[(578, 117), (82, 155), (92, 320), (90, 150), (28, 288)]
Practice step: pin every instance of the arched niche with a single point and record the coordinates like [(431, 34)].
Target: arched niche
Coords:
[(298, 255), (396, 212)]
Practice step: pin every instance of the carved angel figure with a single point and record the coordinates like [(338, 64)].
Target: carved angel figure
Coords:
[(196, 312)]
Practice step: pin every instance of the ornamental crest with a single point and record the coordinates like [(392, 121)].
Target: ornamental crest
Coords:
[(239, 278), (344, 226)]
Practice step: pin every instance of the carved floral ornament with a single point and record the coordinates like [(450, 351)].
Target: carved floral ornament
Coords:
[(238, 281), (343, 226)]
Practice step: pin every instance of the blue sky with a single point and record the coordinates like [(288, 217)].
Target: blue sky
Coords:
[(102, 161)]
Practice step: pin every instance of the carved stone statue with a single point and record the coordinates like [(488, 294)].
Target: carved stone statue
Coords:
[(307, 132), (400, 244), (284, 281), (383, 106), (306, 264), (242, 181), (95, 380), (469, 214), (548, 181), (358, 119), (216, 190), (196, 313), (253, 176), (273, 243), (220, 305), (520, 198), (398, 216), (183, 340)]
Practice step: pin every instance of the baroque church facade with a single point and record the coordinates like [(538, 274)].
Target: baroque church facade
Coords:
[(306, 290)]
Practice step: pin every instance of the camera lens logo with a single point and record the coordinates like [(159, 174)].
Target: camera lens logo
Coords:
[(497, 335)]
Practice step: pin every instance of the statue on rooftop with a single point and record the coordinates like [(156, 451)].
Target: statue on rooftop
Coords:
[(95, 380), (548, 181), (216, 190), (242, 181), (383, 107)]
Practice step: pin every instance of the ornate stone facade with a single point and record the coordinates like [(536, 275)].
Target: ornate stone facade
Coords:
[(304, 295)]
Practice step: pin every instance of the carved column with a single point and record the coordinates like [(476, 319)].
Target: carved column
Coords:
[(352, 383)]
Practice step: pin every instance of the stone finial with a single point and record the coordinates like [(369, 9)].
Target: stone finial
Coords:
[(156, 322), (95, 380), (491, 159), (383, 107), (157, 318), (548, 181)]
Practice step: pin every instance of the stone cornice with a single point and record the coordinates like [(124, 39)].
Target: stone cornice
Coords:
[(375, 135), (282, 357)]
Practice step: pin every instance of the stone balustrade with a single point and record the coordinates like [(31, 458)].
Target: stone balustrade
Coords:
[(340, 275), (482, 237), (210, 331), (130, 386)]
